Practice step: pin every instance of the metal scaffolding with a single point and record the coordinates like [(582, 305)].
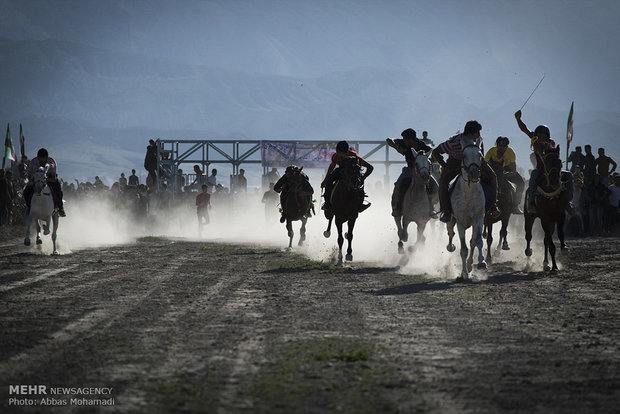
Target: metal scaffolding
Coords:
[(172, 153)]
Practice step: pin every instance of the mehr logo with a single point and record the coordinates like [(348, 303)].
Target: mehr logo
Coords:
[(28, 389)]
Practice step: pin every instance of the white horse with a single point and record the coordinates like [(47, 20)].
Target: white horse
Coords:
[(468, 208), (42, 209), (415, 205)]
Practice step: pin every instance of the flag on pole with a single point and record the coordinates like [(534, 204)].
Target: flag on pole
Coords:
[(569, 127), (9, 150), (22, 142)]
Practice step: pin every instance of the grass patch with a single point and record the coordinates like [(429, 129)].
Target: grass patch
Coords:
[(333, 374), (151, 239), (184, 391)]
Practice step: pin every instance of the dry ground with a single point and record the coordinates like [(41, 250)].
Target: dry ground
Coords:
[(179, 326)]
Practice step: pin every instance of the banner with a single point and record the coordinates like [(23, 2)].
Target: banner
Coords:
[(283, 154), (22, 142), (569, 127), (9, 150)]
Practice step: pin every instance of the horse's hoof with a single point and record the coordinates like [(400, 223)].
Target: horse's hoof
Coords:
[(484, 234), (505, 246), (39, 241), (326, 234), (46, 232), (349, 258), (27, 242), (546, 268), (301, 243), (482, 265), (553, 271), (451, 248), (55, 253), (528, 252)]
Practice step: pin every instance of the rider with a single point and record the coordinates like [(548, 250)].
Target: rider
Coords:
[(333, 173), (505, 156), (451, 168), (41, 160), (406, 147), (540, 141), (282, 187)]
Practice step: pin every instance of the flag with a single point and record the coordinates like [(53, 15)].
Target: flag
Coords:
[(9, 151), (22, 142), (569, 126)]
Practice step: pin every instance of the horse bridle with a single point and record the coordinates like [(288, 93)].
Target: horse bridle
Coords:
[(468, 167)]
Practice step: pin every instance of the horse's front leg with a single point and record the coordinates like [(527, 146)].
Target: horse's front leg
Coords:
[(327, 232), (350, 226), (28, 224), (421, 227), (477, 237), (503, 235), (302, 231), (399, 231), (489, 228), (340, 241), (47, 226), (291, 233), (38, 228), (465, 271), (450, 226), (549, 246), (561, 221), (54, 233), (529, 222)]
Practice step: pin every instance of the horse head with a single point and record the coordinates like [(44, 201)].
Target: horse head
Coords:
[(351, 173), (423, 166), (472, 161), (552, 169), (40, 179)]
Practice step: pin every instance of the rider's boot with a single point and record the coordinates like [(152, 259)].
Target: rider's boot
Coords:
[(363, 207), (494, 211), (61, 212), (570, 208)]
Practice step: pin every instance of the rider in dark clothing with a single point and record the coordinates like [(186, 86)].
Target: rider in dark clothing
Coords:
[(406, 147), (282, 186)]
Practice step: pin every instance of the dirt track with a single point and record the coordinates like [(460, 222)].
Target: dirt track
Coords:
[(181, 326)]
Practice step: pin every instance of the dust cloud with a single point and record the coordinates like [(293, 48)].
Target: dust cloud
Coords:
[(94, 222)]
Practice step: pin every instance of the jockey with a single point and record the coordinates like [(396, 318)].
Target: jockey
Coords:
[(333, 173), (451, 168), (505, 156), (282, 187), (406, 147), (41, 160), (540, 141)]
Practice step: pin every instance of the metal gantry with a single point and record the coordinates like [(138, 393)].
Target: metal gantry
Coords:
[(173, 153)]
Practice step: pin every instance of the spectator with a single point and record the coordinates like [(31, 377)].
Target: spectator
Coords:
[(426, 140), (273, 176), (134, 181), (122, 182), (203, 204), (270, 200), (200, 178), (242, 182), (212, 181), (150, 163), (180, 181), (589, 166), (602, 164), (597, 197), (577, 159)]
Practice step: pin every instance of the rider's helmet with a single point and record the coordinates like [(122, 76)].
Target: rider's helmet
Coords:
[(342, 146), (502, 141), (542, 129)]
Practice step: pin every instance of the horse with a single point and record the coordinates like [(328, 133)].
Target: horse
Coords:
[(505, 197), (346, 198), (550, 203), (468, 208), (415, 205), (298, 200), (42, 209)]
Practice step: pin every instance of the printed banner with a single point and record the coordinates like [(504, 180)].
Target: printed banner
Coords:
[(283, 154)]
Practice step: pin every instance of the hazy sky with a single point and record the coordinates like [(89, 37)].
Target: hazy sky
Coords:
[(490, 53)]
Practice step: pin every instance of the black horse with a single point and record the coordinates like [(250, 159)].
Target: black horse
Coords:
[(551, 201), (505, 200), (346, 199), (296, 200)]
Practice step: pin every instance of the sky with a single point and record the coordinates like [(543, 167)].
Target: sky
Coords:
[(487, 55)]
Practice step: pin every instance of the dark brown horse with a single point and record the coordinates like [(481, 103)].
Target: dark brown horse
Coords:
[(551, 202), (296, 202), (346, 199), (505, 197)]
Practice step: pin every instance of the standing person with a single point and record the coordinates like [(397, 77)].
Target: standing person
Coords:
[(426, 140), (242, 182), (150, 163), (270, 200), (200, 178), (602, 164), (41, 160), (577, 159), (598, 194), (614, 203), (407, 146), (589, 166), (452, 167), (180, 181), (333, 173), (541, 141), (203, 204), (122, 182), (212, 180), (273, 176), (505, 156), (133, 180)]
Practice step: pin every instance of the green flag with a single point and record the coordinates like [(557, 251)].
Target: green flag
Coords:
[(9, 151)]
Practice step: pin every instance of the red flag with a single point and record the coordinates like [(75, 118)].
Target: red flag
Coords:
[(22, 142)]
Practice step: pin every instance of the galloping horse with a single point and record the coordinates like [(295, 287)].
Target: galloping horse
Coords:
[(468, 206), (42, 209), (346, 199), (505, 196), (550, 202), (415, 205), (298, 201)]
